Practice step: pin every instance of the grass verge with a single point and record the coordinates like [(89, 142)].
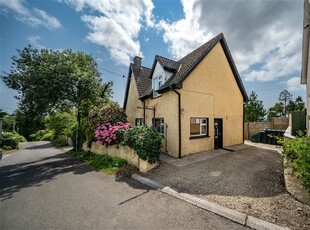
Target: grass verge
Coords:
[(104, 163)]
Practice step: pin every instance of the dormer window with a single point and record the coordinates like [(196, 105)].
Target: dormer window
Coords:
[(157, 83)]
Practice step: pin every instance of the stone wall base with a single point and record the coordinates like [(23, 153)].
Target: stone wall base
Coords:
[(123, 152)]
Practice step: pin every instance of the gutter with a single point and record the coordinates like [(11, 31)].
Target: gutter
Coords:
[(179, 116)]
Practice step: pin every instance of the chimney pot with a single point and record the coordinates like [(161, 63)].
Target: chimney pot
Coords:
[(137, 61)]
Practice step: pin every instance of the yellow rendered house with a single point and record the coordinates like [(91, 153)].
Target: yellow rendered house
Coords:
[(196, 103)]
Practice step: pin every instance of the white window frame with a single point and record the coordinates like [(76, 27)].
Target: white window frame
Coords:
[(199, 120), (157, 83)]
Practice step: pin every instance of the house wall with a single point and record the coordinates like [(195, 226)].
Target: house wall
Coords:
[(166, 106), (211, 91), (133, 102)]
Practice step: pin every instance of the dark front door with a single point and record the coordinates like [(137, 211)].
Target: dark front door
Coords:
[(218, 133)]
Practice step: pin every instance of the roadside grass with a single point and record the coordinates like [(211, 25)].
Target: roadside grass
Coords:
[(103, 163), (8, 151)]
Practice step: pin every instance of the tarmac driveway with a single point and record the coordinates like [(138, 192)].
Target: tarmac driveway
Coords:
[(243, 171), (245, 178)]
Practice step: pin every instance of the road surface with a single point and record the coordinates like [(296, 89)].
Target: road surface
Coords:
[(43, 188)]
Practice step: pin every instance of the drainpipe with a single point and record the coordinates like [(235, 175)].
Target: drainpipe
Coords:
[(243, 123), (179, 110), (144, 122)]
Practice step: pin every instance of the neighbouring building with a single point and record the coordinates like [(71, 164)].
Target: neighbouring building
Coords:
[(305, 71), (196, 103)]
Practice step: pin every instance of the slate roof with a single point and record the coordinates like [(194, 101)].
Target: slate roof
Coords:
[(168, 64), (181, 69), (142, 77)]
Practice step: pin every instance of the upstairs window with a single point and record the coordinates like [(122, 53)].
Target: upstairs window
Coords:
[(199, 126), (157, 83)]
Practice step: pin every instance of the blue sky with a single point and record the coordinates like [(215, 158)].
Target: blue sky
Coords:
[(264, 36)]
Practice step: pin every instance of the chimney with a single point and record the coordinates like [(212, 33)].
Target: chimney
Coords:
[(137, 61)]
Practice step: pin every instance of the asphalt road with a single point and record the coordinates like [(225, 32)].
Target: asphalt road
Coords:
[(43, 188)]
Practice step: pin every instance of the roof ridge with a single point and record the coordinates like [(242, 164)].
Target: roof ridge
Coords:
[(214, 39), (131, 63), (166, 58)]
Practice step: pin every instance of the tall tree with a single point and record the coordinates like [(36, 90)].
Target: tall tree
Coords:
[(47, 81), (275, 111), (299, 104), (254, 109), (285, 97), (2, 113)]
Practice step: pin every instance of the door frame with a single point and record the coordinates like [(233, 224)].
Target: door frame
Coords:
[(218, 133)]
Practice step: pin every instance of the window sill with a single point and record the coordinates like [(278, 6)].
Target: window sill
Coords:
[(198, 137), (154, 97)]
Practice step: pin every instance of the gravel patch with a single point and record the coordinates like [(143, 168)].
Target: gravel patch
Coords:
[(249, 180)]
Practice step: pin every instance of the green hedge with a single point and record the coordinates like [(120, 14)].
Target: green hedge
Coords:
[(14, 135), (297, 153), (146, 141), (42, 135), (9, 144)]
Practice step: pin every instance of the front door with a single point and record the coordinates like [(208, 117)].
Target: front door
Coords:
[(218, 133)]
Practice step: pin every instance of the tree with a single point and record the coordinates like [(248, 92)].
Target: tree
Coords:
[(275, 111), (49, 81), (2, 113), (285, 97), (61, 123), (254, 109), (299, 104)]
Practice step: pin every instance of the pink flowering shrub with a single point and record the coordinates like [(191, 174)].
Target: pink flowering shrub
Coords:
[(111, 134)]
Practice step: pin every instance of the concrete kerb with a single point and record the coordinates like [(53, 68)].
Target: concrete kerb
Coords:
[(230, 214)]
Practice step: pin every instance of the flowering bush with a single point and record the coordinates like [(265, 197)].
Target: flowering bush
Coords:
[(111, 134)]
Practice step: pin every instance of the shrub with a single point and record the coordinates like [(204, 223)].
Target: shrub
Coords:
[(146, 141), (15, 135), (48, 136), (42, 135), (297, 153), (106, 113), (59, 141), (9, 143), (111, 134)]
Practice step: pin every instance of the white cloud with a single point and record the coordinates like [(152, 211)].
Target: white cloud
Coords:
[(264, 36), (33, 17), (34, 41), (293, 85), (117, 26), (186, 34)]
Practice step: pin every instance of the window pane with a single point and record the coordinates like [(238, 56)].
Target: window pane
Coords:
[(195, 129), (203, 121), (203, 129), (159, 125), (193, 120)]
